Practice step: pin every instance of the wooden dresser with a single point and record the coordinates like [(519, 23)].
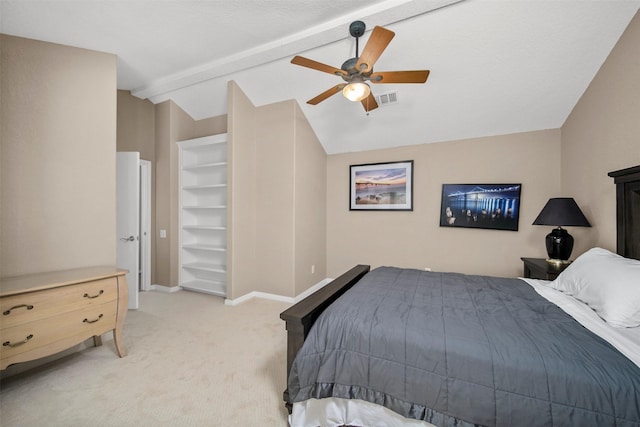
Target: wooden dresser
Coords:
[(43, 314)]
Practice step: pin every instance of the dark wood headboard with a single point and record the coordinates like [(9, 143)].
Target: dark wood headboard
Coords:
[(628, 211)]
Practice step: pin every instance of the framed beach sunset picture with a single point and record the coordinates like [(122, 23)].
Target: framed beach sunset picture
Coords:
[(381, 186)]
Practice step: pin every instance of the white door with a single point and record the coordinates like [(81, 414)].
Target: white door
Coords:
[(145, 225), (128, 219)]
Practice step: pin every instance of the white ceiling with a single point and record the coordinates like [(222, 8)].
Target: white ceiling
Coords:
[(497, 66)]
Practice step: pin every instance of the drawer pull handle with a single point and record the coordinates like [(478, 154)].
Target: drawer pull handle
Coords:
[(95, 296), (8, 312), (8, 343), (92, 321)]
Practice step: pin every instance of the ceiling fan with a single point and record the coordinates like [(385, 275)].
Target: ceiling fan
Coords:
[(358, 70)]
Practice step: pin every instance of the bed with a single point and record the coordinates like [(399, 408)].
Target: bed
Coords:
[(392, 346)]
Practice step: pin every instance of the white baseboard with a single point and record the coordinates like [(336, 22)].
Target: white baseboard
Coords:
[(312, 289), (274, 297), (165, 289), (255, 294)]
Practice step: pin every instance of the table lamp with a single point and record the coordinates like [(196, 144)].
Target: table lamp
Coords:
[(560, 211)]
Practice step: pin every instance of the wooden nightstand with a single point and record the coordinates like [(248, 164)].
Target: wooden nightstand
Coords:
[(539, 268)]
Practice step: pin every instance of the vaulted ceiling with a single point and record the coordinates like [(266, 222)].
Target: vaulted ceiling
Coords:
[(497, 66)]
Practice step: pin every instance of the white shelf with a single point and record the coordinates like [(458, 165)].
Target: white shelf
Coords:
[(203, 214), (204, 227), (207, 286), (203, 266), (203, 186), (206, 207), (205, 165), (203, 247)]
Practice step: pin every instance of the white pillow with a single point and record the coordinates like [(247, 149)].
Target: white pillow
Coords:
[(606, 282)]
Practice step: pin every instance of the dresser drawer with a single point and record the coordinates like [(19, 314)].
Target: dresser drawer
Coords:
[(33, 306), (88, 321)]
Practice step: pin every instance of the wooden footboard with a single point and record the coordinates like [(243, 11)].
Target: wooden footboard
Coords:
[(300, 317)]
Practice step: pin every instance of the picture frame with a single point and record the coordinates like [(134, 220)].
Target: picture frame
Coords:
[(488, 206), (381, 186)]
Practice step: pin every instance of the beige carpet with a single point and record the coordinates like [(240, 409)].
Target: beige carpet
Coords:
[(192, 361)]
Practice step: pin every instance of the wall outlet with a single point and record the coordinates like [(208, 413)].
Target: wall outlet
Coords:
[(313, 269), (427, 269), (163, 234)]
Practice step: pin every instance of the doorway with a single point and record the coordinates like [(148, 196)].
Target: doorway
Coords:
[(133, 194)]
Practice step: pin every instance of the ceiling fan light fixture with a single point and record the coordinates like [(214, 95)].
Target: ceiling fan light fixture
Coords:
[(358, 70), (356, 91)]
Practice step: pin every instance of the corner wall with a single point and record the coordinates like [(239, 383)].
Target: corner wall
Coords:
[(291, 200), (58, 157), (275, 230), (277, 199), (136, 125), (242, 217), (602, 134), (310, 198)]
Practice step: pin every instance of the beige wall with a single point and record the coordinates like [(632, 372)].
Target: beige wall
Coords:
[(58, 115), (136, 125), (601, 135), (415, 239), (277, 192), (291, 199), (242, 202), (310, 198), (275, 177), (162, 181)]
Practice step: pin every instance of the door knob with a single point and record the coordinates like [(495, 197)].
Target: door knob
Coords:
[(128, 239)]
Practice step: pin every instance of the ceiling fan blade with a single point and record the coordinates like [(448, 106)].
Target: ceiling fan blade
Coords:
[(369, 103), (416, 76), (315, 65), (378, 41), (326, 94)]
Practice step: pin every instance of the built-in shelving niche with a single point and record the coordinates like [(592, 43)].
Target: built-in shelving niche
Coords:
[(203, 214)]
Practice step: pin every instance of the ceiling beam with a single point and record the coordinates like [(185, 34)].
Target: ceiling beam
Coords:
[(385, 13)]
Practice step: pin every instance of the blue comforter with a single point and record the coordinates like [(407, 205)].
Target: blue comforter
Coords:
[(453, 349)]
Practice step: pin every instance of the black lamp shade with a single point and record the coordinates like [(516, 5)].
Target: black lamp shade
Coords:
[(561, 211), (558, 212)]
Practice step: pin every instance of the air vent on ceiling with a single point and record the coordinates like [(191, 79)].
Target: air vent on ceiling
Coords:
[(387, 98)]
